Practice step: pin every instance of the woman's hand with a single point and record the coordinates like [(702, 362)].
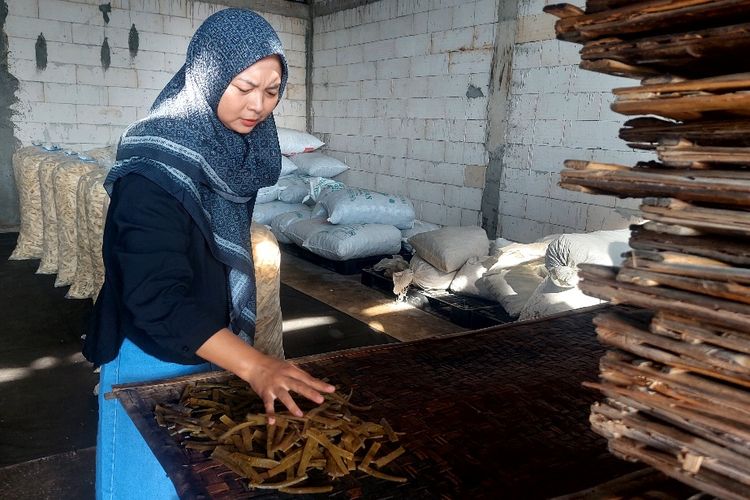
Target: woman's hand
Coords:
[(273, 379), (269, 377)]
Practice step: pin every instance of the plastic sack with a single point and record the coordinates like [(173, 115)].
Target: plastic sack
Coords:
[(65, 179), (267, 266), (268, 194), (514, 254), (320, 186), (360, 206), (26, 173), (418, 227), (97, 204), (465, 281), (263, 213), (353, 241), (391, 265), (294, 188), (295, 141), (548, 299), (319, 165), (599, 247), (48, 263), (281, 222), (512, 287), (287, 166), (450, 247), (105, 156), (299, 231), (427, 276), (82, 283)]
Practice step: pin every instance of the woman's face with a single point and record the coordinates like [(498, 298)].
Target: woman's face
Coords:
[(251, 96)]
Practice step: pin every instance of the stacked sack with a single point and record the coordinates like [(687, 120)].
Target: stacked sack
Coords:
[(529, 280), (54, 226), (311, 209)]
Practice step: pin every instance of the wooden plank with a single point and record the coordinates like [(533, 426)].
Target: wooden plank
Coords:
[(600, 282), (692, 330), (684, 154), (620, 368), (711, 483), (721, 248), (720, 271), (651, 131), (618, 68), (688, 107), (695, 54), (654, 433), (727, 188), (722, 83), (656, 16), (704, 219), (707, 360), (722, 289)]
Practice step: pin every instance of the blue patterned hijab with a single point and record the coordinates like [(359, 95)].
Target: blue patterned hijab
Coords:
[(213, 171)]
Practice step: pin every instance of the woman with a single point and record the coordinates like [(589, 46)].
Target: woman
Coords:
[(179, 294)]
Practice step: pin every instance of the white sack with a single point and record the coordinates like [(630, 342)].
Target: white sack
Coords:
[(65, 180), (263, 213), (549, 299), (287, 166), (268, 194), (295, 141), (26, 173), (465, 281), (419, 227), (599, 247), (320, 186), (427, 276), (450, 247), (294, 188), (281, 222), (353, 241), (97, 204), (514, 254), (48, 263), (83, 279), (360, 206), (319, 164), (105, 156), (512, 287), (267, 266), (299, 231)]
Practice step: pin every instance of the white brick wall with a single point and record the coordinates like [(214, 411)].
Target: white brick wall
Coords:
[(389, 97), (556, 112), (75, 103)]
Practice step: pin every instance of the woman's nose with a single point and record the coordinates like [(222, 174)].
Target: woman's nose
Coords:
[(255, 101)]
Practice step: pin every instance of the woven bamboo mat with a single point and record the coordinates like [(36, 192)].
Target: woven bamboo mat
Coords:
[(498, 412)]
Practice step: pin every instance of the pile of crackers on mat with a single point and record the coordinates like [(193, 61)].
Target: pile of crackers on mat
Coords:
[(676, 382), (295, 454)]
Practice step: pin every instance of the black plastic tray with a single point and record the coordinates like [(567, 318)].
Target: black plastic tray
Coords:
[(468, 312)]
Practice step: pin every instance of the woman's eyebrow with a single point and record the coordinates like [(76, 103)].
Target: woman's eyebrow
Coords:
[(249, 82)]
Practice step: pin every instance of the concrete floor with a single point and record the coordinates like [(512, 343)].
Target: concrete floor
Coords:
[(48, 412)]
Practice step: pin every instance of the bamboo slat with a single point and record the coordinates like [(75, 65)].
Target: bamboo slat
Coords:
[(646, 132)]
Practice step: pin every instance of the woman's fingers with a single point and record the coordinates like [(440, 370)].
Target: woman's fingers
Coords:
[(268, 403), (287, 401), (311, 381)]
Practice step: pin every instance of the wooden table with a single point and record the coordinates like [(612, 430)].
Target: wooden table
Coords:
[(491, 413)]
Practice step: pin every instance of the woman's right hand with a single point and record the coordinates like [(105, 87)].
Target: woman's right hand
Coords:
[(274, 379), (269, 377)]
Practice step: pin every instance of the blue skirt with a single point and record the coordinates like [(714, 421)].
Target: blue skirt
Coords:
[(125, 466)]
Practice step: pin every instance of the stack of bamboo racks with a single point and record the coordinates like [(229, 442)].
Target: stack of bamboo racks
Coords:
[(677, 380)]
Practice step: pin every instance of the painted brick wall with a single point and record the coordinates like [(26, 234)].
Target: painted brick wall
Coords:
[(400, 94), (75, 103), (557, 112)]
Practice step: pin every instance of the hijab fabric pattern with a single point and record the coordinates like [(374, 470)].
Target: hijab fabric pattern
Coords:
[(212, 171)]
